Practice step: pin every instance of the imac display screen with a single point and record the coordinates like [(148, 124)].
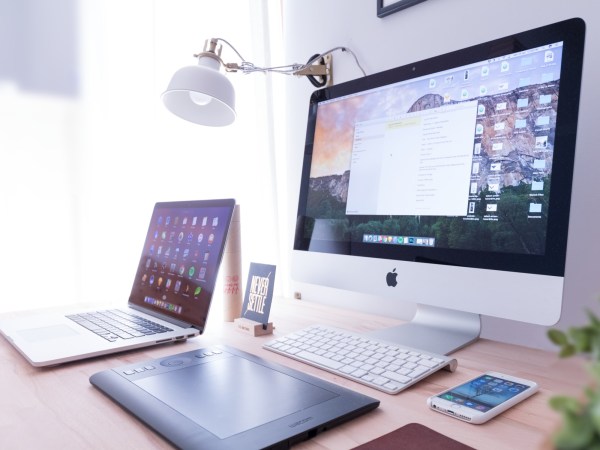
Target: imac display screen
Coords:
[(465, 159)]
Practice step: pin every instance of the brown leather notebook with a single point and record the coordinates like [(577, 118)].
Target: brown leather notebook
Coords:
[(414, 436)]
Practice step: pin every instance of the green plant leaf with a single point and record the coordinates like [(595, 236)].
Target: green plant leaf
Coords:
[(590, 393), (581, 419), (566, 351), (577, 433), (595, 350), (594, 409), (594, 320), (558, 337), (594, 370), (582, 339), (567, 405)]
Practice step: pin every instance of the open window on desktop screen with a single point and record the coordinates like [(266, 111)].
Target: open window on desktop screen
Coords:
[(462, 160)]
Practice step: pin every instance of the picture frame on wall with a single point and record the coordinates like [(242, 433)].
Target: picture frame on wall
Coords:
[(387, 7)]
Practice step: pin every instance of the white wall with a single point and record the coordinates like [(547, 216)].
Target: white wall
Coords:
[(428, 29)]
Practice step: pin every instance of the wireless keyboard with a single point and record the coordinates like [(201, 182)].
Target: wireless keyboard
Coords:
[(382, 365)]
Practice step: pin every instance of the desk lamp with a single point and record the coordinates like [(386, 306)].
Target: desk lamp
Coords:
[(203, 95)]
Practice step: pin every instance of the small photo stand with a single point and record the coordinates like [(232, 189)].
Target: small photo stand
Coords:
[(252, 327), (257, 301)]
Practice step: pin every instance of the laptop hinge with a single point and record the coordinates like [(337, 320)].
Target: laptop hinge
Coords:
[(179, 323)]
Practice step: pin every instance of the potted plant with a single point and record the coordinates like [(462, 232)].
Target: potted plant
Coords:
[(581, 416)]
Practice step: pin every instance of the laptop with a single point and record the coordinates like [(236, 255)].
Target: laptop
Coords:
[(169, 300), (223, 398)]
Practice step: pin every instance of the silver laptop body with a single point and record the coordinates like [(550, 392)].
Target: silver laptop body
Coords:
[(172, 288)]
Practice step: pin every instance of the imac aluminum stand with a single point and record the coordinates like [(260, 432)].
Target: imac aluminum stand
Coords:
[(438, 330)]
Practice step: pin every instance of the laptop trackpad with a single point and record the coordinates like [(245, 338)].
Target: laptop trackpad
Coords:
[(46, 333), (231, 395)]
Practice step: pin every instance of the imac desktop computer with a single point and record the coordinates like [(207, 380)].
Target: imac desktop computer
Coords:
[(447, 183)]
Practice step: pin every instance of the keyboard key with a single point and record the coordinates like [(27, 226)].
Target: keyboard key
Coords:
[(320, 360), (397, 377), (392, 387), (359, 373), (428, 363)]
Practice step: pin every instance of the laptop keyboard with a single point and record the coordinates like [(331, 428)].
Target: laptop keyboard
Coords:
[(381, 365), (115, 324)]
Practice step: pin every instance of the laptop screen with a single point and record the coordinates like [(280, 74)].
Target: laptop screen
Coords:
[(178, 267)]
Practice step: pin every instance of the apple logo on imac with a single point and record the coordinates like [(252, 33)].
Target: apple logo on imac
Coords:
[(390, 278)]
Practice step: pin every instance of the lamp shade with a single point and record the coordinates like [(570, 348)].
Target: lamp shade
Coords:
[(201, 94)]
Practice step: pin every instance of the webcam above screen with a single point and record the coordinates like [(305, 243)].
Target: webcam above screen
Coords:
[(447, 182)]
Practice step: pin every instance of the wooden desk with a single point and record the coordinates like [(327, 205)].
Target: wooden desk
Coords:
[(58, 408)]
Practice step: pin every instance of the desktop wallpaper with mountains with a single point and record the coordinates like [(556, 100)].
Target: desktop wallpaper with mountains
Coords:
[(513, 174)]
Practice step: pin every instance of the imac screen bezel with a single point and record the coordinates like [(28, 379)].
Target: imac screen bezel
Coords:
[(571, 33)]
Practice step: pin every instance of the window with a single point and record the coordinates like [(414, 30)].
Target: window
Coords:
[(83, 171)]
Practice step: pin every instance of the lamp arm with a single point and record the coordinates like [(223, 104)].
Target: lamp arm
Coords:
[(246, 67), (328, 52)]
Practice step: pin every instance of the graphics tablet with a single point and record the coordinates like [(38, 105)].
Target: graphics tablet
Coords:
[(223, 398)]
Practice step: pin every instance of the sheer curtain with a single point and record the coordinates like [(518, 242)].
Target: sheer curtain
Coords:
[(82, 172)]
